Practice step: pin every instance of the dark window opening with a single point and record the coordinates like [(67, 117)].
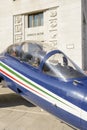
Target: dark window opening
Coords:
[(35, 20)]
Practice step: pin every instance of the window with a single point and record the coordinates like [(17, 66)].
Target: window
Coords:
[(14, 50), (31, 53), (35, 20), (59, 66)]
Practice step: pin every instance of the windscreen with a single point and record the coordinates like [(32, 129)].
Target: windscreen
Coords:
[(30, 52), (14, 50), (58, 65)]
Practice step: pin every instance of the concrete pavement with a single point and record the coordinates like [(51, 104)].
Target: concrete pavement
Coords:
[(18, 114)]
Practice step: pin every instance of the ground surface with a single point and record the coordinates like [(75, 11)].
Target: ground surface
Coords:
[(18, 114)]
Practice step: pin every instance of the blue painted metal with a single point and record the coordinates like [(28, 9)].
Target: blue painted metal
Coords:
[(75, 94)]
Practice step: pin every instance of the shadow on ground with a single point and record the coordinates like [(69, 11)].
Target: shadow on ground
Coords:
[(12, 99)]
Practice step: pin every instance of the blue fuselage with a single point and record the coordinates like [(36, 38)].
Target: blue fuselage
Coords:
[(66, 100)]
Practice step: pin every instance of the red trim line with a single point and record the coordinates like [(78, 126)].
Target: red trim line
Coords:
[(20, 82)]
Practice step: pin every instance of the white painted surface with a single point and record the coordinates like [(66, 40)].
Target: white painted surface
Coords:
[(66, 24)]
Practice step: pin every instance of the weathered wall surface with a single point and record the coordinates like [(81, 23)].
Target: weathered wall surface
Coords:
[(62, 24)]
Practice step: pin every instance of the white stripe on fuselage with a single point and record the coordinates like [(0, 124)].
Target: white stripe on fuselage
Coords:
[(57, 101)]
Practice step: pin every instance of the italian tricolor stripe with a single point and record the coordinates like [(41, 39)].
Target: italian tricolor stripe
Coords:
[(41, 91)]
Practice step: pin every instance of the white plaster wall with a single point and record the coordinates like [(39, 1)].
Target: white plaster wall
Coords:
[(24, 6), (84, 33), (36, 33), (9, 8), (69, 29), (68, 26), (6, 24)]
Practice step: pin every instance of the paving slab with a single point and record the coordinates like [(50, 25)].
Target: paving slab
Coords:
[(18, 114)]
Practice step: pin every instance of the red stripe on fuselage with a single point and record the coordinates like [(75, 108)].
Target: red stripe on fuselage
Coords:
[(20, 82)]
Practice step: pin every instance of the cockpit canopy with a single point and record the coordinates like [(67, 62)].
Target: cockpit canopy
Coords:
[(55, 63), (29, 52)]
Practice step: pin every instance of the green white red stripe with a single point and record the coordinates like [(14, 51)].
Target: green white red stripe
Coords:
[(41, 91)]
